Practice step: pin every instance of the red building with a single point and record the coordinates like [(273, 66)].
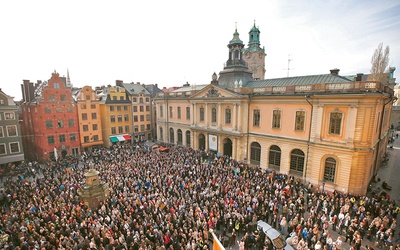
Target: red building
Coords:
[(50, 124)]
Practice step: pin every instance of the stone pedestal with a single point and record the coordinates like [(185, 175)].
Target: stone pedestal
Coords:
[(93, 192)]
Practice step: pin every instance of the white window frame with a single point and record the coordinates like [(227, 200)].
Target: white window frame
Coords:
[(16, 130), (2, 132), (5, 148), (5, 115), (19, 148)]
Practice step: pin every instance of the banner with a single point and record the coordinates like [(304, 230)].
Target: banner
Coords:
[(213, 142), (216, 243)]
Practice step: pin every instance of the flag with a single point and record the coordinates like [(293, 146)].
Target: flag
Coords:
[(216, 243), (55, 153)]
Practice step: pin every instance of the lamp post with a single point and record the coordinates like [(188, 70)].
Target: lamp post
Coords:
[(323, 185)]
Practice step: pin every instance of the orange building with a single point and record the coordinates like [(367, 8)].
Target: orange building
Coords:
[(89, 118), (329, 130)]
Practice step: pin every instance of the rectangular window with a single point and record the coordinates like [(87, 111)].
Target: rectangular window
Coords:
[(52, 98), (56, 85), (125, 107), (84, 116), (134, 99), (161, 111), (60, 124), (93, 106), (135, 118), (83, 106), (94, 116), (141, 127), (119, 118), (127, 129), (47, 110), (61, 138), (276, 119), (71, 123), (256, 117), (140, 100), (121, 98), (147, 117), (148, 126), (335, 123), (179, 112), (142, 118), (86, 139), (134, 108), (119, 108), (170, 112), (120, 129), (95, 138), (187, 113), (11, 130), (94, 127), (1, 132), (85, 128), (49, 124), (113, 130), (87, 97), (300, 120), (228, 116), (112, 118), (70, 110), (111, 108), (59, 110), (72, 137), (141, 108), (50, 139), (9, 115), (63, 98), (114, 98), (147, 99), (3, 149), (14, 147), (126, 117), (214, 115), (201, 114), (147, 108), (136, 128)]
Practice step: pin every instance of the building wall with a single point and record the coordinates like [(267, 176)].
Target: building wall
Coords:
[(142, 116)]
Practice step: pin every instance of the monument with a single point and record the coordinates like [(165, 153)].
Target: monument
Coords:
[(93, 191)]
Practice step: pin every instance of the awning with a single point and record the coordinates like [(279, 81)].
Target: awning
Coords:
[(114, 139), (127, 137), (162, 149), (120, 138)]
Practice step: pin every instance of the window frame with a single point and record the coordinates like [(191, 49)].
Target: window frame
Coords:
[(335, 124), (330, 167), (228, 115), (16, 130), (201, 118), (276, 118), (5, 149), (300, 120), (256, 117)]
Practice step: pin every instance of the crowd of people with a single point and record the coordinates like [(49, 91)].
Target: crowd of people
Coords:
[(171, 200)]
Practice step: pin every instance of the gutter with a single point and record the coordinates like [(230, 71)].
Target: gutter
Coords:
[(309, 136)]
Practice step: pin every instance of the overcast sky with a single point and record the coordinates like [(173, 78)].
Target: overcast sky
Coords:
[(173, 42)]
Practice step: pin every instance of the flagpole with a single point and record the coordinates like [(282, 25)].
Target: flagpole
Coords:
[(216, 243)]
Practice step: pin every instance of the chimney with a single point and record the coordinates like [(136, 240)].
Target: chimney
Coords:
[(359, 77), (118, 83), (335, 71)]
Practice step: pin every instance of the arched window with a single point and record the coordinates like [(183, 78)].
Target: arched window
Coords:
[(330, 169), (297, 162), (201, 114), (179, 142), (188, 138), (171, 136), (274, 159), (161, 134), (214, 115), (255, 153)]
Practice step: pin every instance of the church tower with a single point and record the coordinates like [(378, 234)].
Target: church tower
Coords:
[(254, 55), (236, 72)]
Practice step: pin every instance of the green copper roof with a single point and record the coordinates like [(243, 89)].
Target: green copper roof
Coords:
[(235, 38)]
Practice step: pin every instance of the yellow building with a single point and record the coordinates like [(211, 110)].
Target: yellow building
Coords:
[(90, 128), (329, 130), (116, 120)]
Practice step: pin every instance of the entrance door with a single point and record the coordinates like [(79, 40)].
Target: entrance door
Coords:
[(227, 147), (64, 153), (202, 142)]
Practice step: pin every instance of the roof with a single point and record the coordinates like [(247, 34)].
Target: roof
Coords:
[(135, 89), (191, 88), (298, 80)]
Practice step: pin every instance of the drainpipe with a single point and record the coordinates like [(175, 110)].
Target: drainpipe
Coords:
[(167, 114), (309, 136), (248, 126)]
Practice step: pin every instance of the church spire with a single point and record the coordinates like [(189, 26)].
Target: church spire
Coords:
[(68, 79)]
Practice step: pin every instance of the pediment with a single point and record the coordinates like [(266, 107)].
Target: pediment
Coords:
[(213, 91)]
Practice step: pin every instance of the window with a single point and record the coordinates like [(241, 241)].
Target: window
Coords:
[(86, 139), (255, 153), (170, 112), (297, 162), (70, 110), (71, 123), (256, 117), (94, 116), (179, 112), (52, 98), (147, 126), (56, 85), (187, 113), (1, 132), (9, 115), (84, 116), (134, 99), (83, 106), (47, 110), (141, 108), (113, 130), (141, 127), (161, 133), (95, 138), (179, 142), (92, 106), (274, 159), (335, 123), (136, 128), (135, 109), (49, 124), (59, 110), (14, 147), (63, 98), (88, 97), (3, 149), (114, 98), (228, 116), (142, 118), (147, 108), (147, 99), (188, 138), (127, 130), (126, 117), (201, 114), (119, 108), (126, 107), (122, 98), (60, 124), (61, 138), (11, 130), (300, 120), (161, 111), (140, 100), (330, 169), (112, 118), (213, 115), (147, 117), (111, 108), (94, 127), (120, 129), (135, 118), (119, 118), (72, 137), (171, 136), (276, 119), (50, 139), (85, 128)]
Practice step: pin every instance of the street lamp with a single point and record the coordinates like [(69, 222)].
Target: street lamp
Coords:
[(323, 185)]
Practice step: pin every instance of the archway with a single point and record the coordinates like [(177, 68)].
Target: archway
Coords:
[(227, 147), (63, 153), (202, 142)]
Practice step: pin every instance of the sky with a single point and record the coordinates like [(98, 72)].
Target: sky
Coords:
[(173, 42)]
